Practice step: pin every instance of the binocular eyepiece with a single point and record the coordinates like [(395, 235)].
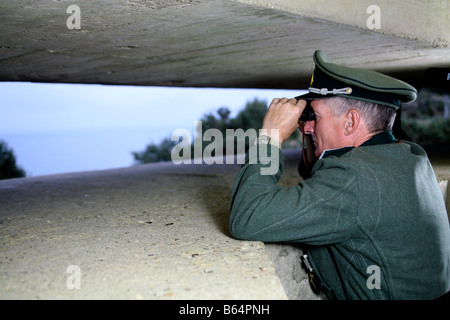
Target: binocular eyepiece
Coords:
[(308, 114)]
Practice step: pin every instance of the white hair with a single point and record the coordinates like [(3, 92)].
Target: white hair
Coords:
[(378, 117)]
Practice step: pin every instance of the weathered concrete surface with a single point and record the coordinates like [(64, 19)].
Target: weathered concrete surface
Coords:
[(427, 21), (157, 231), (147, 232), (216, 43)]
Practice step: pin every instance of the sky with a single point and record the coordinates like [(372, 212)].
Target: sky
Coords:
[(59, 128)]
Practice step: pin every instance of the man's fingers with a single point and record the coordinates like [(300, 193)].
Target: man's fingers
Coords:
[(275, 101), (301, 103), (282, 100)]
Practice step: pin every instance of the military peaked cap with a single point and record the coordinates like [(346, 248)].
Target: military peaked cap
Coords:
[(331, 80)]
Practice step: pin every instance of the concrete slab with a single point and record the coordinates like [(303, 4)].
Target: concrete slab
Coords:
[(216, 43), (147, 232)]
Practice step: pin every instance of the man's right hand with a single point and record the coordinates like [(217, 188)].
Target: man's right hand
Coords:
[(283, 114)]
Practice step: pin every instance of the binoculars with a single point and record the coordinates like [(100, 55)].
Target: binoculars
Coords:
[(308, 114)]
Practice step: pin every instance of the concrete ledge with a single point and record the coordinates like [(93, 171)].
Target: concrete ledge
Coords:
[(148, 232)]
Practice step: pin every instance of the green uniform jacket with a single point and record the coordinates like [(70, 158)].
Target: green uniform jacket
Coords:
[(373, 218)]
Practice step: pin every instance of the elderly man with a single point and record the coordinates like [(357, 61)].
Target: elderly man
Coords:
[(371, 213)]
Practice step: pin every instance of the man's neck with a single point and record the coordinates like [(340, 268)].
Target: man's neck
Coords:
[(363, 138)]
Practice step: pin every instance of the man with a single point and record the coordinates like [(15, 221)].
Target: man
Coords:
[(371, 214)]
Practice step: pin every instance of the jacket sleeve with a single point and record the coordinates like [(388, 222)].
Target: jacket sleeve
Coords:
[(319, 210)]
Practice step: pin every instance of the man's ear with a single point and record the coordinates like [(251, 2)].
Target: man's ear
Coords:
[(352, 122)]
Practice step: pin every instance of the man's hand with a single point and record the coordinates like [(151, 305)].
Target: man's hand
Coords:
[(283, 114)]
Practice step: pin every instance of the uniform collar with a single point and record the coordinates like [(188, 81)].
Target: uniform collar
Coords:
[(384, 137)]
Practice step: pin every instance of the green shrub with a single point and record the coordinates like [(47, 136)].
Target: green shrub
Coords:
[(8, 167)]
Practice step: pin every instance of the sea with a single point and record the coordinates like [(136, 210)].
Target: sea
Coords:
[(46, 153)]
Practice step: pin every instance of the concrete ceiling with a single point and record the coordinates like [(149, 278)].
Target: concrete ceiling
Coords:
[(217, 43)]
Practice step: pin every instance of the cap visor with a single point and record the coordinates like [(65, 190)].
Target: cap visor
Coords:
[(313, 96)]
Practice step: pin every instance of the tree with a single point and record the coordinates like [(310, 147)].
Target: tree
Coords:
[(251, 117), (8, 167), (427, 119), (155, 153)]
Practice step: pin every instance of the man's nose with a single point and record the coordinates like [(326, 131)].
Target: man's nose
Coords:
[(309, 126)]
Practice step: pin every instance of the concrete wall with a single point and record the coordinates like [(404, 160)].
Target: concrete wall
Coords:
[(414, 19)]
